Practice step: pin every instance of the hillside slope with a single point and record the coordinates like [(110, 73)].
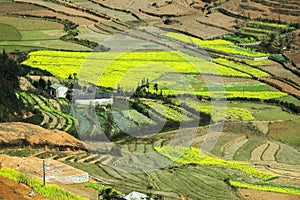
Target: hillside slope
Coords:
[(23, 134)]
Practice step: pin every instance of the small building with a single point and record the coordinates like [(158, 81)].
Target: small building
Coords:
[(136, 196), (58, 90)]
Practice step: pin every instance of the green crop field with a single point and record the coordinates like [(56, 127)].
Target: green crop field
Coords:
[(244, 68), (25, 34), (221, 113), (217, 45), (167, 112), (8, 32), (193, 155), (24, 24)]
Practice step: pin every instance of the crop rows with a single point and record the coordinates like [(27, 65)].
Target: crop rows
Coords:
[(241, 67), (230, 94), (138, 118), (115, 68), (193, 155), (54, 119), (222, 113), (217, 45), (267, 187), (167, 112)]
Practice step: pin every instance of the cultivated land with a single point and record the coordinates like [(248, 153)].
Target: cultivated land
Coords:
[(206, 97)]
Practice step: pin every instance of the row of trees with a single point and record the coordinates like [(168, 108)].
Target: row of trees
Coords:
[(10, 106)]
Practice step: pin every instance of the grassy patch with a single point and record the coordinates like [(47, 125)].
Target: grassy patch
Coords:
[(25, 24), (8, 32)]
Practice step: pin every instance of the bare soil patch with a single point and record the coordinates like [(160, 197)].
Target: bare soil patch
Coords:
[(285, 87), (248, 194), (258, 10), (8, 8), (46, 12), (295, 58), (12, 190), (23, 134)]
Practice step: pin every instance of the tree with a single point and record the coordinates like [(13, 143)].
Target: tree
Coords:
[(9, 81), (155, 87), (42, 84)]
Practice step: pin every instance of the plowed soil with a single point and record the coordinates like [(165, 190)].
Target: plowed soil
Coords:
[(12, 190)]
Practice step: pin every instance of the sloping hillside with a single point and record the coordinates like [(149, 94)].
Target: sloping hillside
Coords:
[(23, 134)]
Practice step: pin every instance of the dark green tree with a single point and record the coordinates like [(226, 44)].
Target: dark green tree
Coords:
[(9, 82)]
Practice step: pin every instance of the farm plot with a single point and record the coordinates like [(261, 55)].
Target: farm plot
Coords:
[(222, 46), (33, 34), (113, 68), (137, 117), (217, 114), (64, 9), (244, 68), (167, 112), (287, 154), (123, 68), (265, 112), (173, 181), (93, 5), (56, 119), (185, 155)]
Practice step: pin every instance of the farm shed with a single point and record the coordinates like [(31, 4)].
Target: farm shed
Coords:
[(58, 90)]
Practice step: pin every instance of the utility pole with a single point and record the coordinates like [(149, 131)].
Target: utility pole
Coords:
[(44, 173), (98, 190)]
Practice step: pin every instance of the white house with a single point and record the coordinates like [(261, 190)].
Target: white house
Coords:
[(58, 90), (136, 196)]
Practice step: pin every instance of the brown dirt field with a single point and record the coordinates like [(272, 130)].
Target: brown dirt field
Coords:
[(285, 87), (25, 85), (64, 9), (248, 194), (12, 190), (234, 7), (277, 70), (8, 8), (257, 152), (286, 181), (21, 134), (45, 12), (269, 154), (186, 18), (295, 57)]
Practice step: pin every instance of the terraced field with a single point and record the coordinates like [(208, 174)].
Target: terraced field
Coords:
[(52, 117), (34, 33)]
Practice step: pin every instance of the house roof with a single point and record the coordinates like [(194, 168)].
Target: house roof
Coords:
[(136, 196), (56, 86)]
